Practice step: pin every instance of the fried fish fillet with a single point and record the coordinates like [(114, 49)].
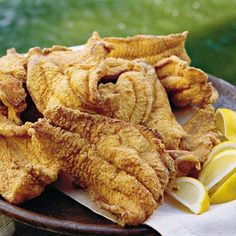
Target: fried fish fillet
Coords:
[(138, 97), (48, 80), (195, 147), (184, 84), (24, 168), (14, 64), (64, 57), (117, 88), (146, 47), (12, 93), (201, 130), (124, 168), (12, 97)]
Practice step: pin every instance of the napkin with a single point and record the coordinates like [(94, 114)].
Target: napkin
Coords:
[(170, 219)]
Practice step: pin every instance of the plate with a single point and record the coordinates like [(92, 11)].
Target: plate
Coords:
[(53, 211)]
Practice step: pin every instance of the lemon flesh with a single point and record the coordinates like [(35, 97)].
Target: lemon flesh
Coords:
[(218, 168), (226, 192), (226, 123), (192, 194), (227, 145)]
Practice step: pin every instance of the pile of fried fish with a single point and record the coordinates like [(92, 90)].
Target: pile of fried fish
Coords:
[(103, 114)]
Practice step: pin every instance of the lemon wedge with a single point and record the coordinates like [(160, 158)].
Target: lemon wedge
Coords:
[(221, 166), (226, 123), (192, 194), (227, 145), (226, 192)]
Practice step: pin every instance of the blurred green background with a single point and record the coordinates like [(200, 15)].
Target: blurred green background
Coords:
[(211, 23)]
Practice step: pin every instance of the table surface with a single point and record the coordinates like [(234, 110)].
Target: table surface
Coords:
[(22, 229)]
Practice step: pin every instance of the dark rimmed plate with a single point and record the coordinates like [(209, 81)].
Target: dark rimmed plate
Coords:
[(56, 212)]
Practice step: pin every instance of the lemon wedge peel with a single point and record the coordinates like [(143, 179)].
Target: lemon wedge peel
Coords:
[(218, 168), (226, 192), (192, 194), (226, 123), (220, 183), (227, 145)]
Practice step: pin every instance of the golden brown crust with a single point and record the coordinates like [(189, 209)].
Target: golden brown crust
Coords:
[(185, 85), (135, 167), (12, 96), (131, 91), (200, 128), (49, 72), (14, 64), (146, 47), (76, 121), (12, 77), (195, 147), (24, 169)]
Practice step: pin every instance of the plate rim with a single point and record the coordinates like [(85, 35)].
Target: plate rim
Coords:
[(54, 224)]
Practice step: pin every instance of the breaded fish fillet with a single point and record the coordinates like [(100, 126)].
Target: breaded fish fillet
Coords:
[(150, 48), (12, 93), (14, 64), (195, 147), (117, 88), (184, 84), (125, 168), (24, 168), (48, 79)]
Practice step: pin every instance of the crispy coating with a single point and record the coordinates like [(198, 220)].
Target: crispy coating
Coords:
[(65, 57), (185, 84), (138, 97), (146, 47), (195, 147), (12, 97), (161, 117), (24, 169), (201, 130), (135, 167), (14, 64), (12, 93), (48, 79), (118, 88)]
